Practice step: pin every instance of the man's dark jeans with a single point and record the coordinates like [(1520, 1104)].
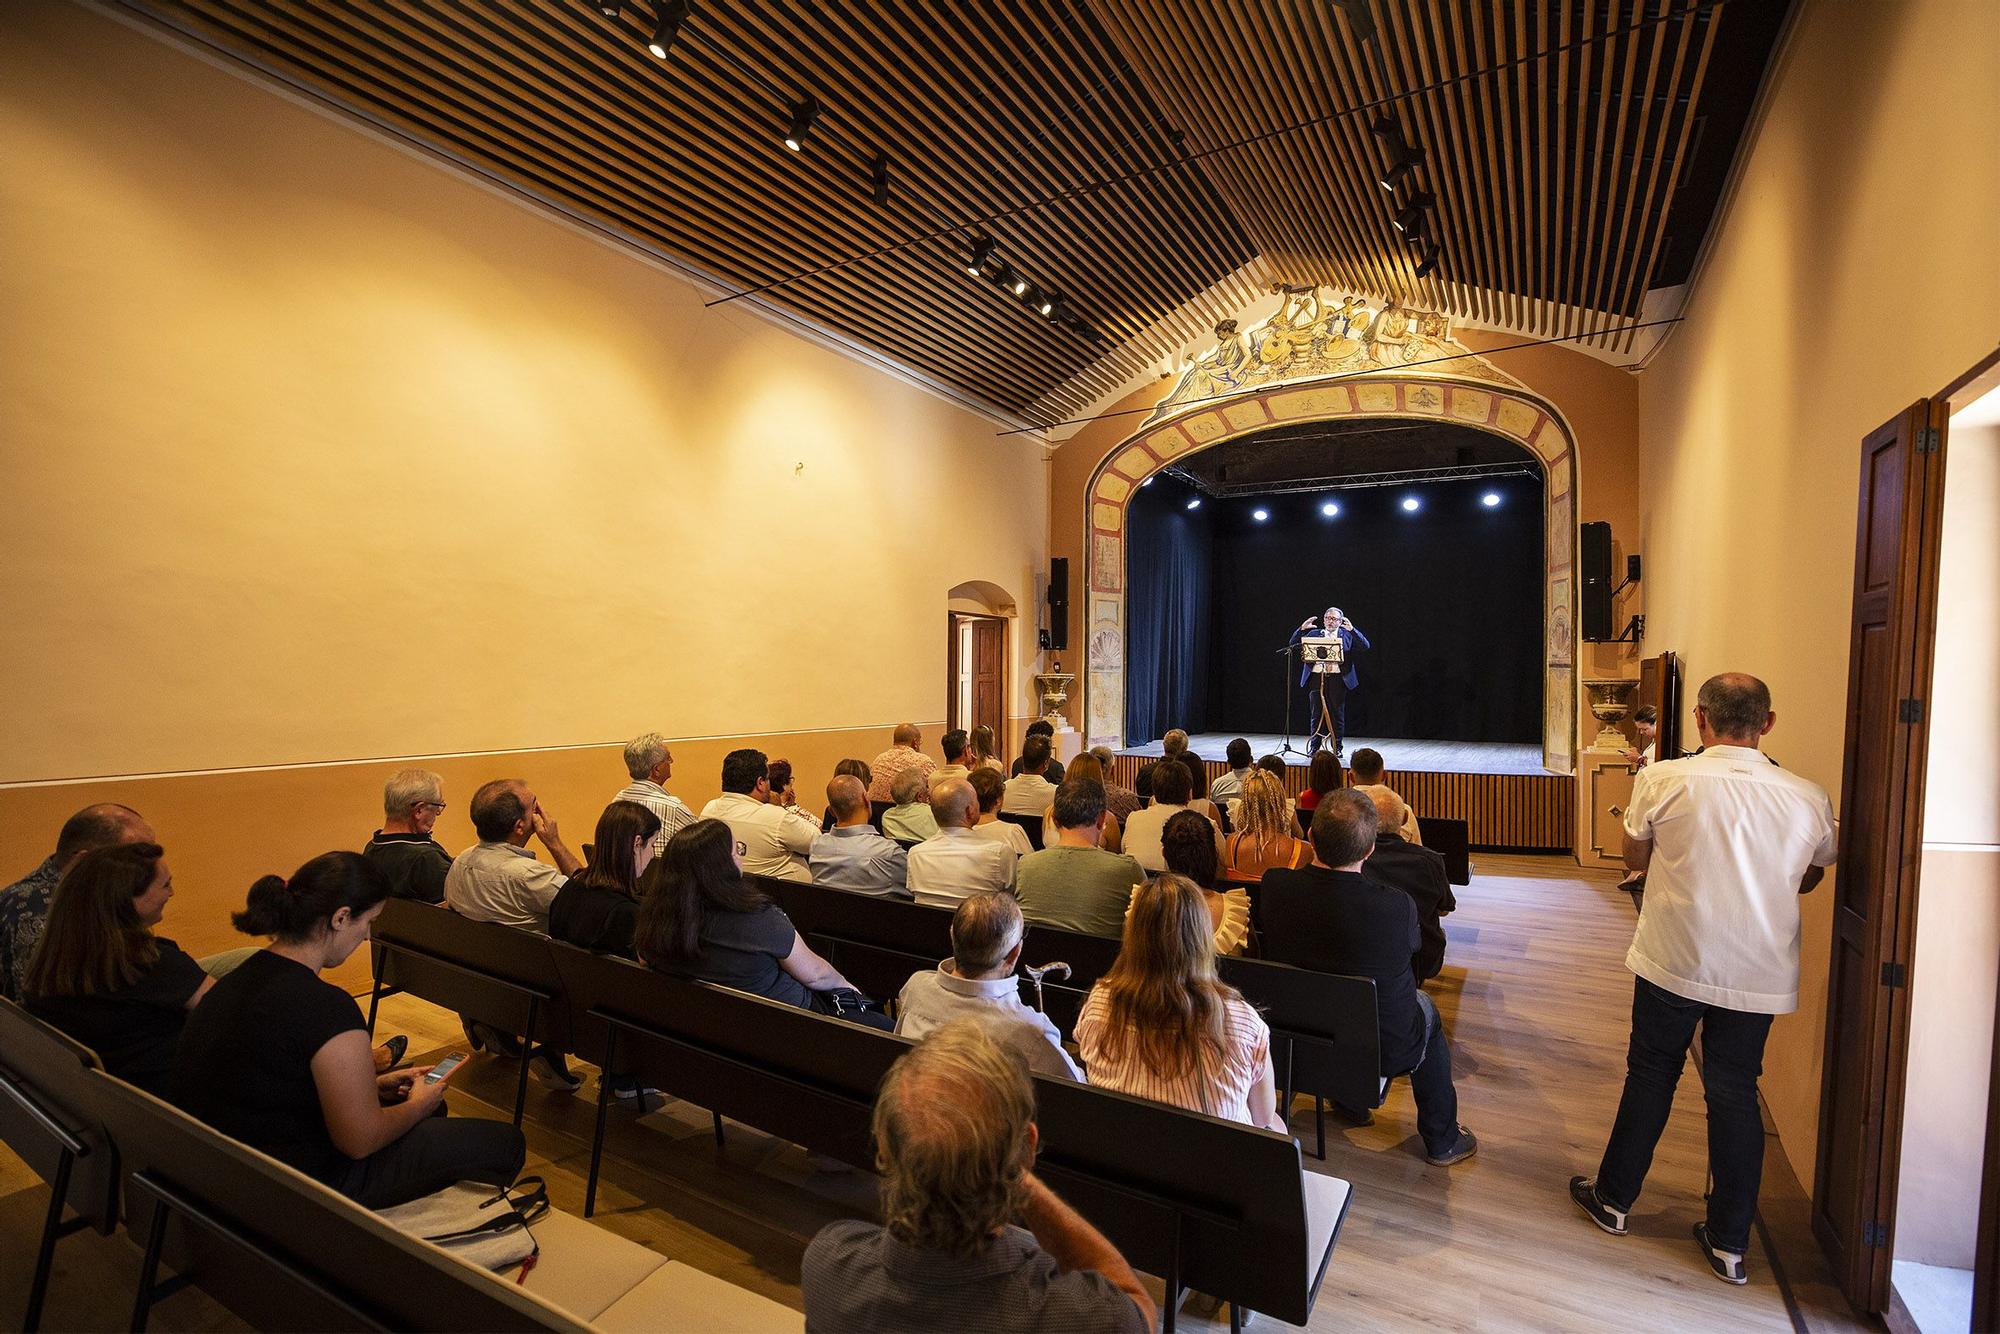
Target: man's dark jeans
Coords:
[(1732, 1057), (1430, 1082)]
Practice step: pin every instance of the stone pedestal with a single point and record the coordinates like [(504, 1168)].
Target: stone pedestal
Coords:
[(1603, 789)]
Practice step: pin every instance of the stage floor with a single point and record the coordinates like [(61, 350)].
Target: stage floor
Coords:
[(1400, 755)]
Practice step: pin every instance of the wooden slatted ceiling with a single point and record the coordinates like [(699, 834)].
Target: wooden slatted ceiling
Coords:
[(1556, 134), (1553, 177)]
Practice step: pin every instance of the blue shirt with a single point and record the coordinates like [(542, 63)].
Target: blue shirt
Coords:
[(856, 857)]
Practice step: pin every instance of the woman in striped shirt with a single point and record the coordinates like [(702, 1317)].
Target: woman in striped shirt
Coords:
[(1161, 1025)]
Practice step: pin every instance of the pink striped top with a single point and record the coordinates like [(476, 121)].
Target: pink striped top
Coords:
[(1246, 1055)]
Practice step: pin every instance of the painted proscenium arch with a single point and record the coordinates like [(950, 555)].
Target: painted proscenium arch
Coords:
[(1506, 411)]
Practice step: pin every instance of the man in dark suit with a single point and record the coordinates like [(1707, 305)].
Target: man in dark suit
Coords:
[(1339, 921), (1329, 687), (1418, 872)]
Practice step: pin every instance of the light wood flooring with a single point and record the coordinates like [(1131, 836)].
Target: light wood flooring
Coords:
[(1537, 1000)]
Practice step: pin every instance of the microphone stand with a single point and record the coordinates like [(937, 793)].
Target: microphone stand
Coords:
[(1288, 748)]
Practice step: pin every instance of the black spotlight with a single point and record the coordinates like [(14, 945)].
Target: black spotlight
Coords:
[(878, 179), (1415, 215), (1431, 260), (1359, 19), (1399, 167), (667, 26), (803, 115), (982, 251), (1055, 308)]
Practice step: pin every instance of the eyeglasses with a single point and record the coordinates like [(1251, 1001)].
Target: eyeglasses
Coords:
[(434, 805)]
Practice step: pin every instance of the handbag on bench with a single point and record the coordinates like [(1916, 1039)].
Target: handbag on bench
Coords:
[(476, 1222)]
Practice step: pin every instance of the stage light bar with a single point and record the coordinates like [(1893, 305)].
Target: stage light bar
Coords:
[(1330, 510), (1490, 499), (1411, 504), (1260, 515)]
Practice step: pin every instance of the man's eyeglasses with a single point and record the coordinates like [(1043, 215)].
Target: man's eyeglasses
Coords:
[(432, 805)]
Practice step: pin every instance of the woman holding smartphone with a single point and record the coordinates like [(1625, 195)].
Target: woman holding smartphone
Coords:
[(279, 1058)]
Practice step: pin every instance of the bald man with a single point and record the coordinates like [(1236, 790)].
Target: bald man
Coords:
[(24, 905), (852, 854), (957, 862), (903, 754), (1417, 871)]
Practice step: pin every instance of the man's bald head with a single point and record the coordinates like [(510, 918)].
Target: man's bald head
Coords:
[(1736, 707), (907, 734), (105, 825), (955, 804), (848, 798), (1388, 808)]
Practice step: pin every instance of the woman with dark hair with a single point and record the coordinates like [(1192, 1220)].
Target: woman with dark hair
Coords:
[(1198, 787), (699, 918), (1187, 845), (598, 906), (102, 976), (277, 1057), (1323, 775), (1160, 1024), (849, 769)]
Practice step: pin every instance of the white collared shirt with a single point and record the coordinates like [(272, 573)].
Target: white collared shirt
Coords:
[(933, 999), (1027, 794), (1227, 786), (1732, 836), (498, 882), (1142, 836), (957, 864), (1008, 835), (771, 840), (673, 812)]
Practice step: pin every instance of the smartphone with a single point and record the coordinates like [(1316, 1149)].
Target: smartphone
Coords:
[(444, 1068)]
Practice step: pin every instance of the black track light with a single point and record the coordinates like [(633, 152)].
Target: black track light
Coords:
[(982, 251), (1399, 168), (667, 26), (1046, 303), (1054, 307), (1415, 215), (803, 115), (878, 179), (1431, 261), (1017, 285), (1360, 19)]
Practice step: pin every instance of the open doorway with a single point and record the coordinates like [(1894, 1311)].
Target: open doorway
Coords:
[(977, 692), (1906, 1196)]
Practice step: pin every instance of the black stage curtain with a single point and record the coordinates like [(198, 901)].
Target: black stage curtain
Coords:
[(1168, 602), (1450, 595)]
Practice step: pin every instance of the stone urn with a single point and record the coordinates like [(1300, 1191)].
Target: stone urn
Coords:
[(1053, 689), (1610, 704)]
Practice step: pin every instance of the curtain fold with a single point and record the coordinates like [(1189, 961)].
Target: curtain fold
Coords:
[(1170, 580)]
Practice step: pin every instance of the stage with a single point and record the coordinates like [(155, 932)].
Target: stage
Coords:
[(1398, 754), (1508, 801)]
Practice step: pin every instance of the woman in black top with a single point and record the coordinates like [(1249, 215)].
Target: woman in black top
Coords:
[(279, 1059), (699, 919), (102, 976), (597, 907)]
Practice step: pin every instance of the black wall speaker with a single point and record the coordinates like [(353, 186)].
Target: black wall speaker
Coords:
[(1058, 632), (1596, 626)]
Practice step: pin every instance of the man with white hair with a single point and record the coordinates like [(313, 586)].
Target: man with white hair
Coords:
[(956, 862), (978, 982), (910, 819), (903, 753), (403, 849), (1325, 695), (1417, 871), (651, 764), (970, 1238)]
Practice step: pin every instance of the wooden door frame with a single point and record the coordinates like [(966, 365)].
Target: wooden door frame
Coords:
[(1865, 1274), (952, 620)]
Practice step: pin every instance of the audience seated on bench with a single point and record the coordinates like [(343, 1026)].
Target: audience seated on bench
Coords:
[(954, 1125), (910, 820), (1273, 765), (1119, 800), (1367, 770), (1084, 766), (403, 848), (1230, 784), (597, 908), (1333, 918), (775, 839), (1263, 831), (698, 918), (956, 745), (1074, 883), (957, 861), (978, 982), (24, 905), (1173, 790), (279, 1059), (1044, 729), (1417, 871), (853, 854), (650, 762), (1323, 775), (1032, 788), (1188, 846), (905, 754), (1161, 1025), (990, 786)]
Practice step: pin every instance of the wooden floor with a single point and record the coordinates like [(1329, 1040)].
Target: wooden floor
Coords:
[(1536, 998)]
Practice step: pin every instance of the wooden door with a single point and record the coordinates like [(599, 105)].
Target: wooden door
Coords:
[(1660, 686), (989, 678), (1881, 825)]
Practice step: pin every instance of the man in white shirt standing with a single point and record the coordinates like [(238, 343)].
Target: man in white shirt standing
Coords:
[(958, 863), (1728, 841), (651, 764), (1030, 791), (770, 840)]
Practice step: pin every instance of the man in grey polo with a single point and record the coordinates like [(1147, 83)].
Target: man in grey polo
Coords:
[(977, 982), (852, 855), (1074, 884), (498, 879), (955, 1143)]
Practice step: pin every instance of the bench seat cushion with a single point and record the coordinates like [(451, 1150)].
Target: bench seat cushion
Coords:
[(1326, 1207), (678, 1297), (583, 1268)]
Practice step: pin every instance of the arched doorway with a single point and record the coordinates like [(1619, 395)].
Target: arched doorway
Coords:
[(1320, 361), (976, 617)]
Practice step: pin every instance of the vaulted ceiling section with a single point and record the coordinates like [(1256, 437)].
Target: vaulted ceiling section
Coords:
[(1155, 164)]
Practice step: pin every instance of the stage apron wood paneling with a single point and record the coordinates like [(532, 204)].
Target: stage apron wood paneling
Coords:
[(1502, 812)]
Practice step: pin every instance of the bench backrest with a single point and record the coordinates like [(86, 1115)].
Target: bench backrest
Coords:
[(1031, 825), (45, 1110), (283, 1251), (1325, 1038), (483, 970), (1131, 1165), (1452, 839)]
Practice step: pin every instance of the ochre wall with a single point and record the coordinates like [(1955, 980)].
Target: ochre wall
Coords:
[(1853, 272), (317, 451)]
